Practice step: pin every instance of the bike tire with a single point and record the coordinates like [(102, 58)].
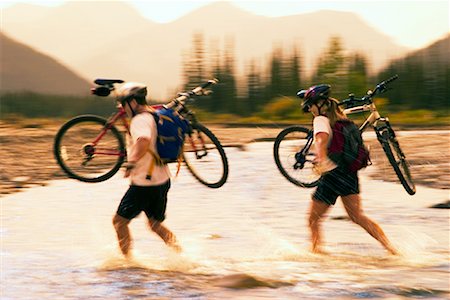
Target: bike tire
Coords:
[(70, 146), (397, 160), (211, 169), (287, 143)]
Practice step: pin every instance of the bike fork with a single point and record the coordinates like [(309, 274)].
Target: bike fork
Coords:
[(300, 157), (199, 153), (386, 126)]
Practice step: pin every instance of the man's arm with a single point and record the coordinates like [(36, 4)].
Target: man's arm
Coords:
[(139, 150)]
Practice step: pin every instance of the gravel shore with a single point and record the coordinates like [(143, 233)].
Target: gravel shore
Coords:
[(27, 154)]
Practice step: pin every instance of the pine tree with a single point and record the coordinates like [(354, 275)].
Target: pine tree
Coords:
[(255, 90), (228, 78), (194, 62), (331, 68), (357, 74), (275, 80)]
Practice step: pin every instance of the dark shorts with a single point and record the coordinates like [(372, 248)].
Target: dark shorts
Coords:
[(150, 199), (336, 183)]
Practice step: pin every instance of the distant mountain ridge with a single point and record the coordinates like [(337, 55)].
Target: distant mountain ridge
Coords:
[(24, 69), (111, 39), (435, 54)]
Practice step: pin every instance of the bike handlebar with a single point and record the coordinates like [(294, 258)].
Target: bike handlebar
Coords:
[(390, 79), (209, 83), (380, 88), (107, 85), (200, 90)]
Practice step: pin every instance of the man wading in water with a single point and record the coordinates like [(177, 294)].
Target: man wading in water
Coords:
[(147, 194)]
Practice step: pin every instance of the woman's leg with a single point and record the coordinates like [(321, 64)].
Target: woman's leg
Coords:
[(316, 212), (352, 204)]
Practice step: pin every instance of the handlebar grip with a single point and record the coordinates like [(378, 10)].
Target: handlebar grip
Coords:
[(391, 79), (209, 82)]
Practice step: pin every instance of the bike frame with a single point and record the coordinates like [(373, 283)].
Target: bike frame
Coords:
[(177, 104), (371, 120), (122, 115), (383, 130)]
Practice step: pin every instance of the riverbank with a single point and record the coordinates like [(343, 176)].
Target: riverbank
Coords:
[(27, 154)]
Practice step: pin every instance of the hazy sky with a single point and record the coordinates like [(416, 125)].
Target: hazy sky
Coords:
[(413, 24)]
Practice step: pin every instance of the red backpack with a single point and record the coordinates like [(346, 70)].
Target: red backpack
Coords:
[(347, 148)]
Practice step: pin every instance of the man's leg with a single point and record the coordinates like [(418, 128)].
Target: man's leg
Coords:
[(166, 235), (123, 234)]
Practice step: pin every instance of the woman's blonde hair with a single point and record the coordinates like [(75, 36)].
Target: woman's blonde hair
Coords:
[(333, 111)]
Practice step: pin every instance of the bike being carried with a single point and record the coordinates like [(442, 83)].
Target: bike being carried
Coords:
[(90, 148), (292, 145)]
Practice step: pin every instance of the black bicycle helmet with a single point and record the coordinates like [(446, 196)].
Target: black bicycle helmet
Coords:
[(313, 94)]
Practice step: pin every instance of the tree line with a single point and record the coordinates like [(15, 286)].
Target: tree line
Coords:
[(33, 105), (267, 89), (423, 78)]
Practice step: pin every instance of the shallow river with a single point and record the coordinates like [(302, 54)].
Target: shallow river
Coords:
[(246, 240)]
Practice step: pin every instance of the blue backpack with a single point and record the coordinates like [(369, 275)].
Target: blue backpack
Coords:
[(171, 128)]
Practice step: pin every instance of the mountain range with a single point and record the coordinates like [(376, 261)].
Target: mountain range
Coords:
[(111, 39), (25, 69)]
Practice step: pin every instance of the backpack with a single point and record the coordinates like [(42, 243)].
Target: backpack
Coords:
[(347, 148), (171, 128)]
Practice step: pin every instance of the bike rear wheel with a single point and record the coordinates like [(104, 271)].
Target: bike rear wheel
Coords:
[(88, 152), (397, 159), (205, 157), (288, 144)]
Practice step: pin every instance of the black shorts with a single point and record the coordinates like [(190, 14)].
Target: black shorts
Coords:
[(336, 183), (150, 199)]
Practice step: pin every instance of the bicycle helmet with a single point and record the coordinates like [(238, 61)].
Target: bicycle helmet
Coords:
[(130, 91), (313, 94)]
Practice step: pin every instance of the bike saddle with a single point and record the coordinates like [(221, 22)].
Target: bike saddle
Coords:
[(101, 81)]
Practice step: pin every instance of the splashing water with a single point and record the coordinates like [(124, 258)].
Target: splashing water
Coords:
[(248, 239)]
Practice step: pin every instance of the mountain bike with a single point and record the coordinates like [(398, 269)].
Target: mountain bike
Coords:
[(292, 145), (91, 148)]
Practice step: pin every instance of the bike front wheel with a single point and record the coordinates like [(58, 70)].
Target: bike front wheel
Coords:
[(397, 160), (88, 149), (288, 145), (205, 157)]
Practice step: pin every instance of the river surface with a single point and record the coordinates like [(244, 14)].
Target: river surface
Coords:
[(246, 240)]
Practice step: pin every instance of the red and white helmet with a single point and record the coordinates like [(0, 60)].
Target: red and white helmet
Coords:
[(314, 94)]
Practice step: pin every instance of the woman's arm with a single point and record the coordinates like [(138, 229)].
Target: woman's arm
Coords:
[(321, 145)]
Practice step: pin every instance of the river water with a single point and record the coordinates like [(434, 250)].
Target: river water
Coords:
[(246, 240)]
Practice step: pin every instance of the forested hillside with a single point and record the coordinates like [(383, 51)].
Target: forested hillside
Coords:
[(425, 77)]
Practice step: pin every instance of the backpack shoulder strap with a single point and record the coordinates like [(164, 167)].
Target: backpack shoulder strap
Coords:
[(156, 159)]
